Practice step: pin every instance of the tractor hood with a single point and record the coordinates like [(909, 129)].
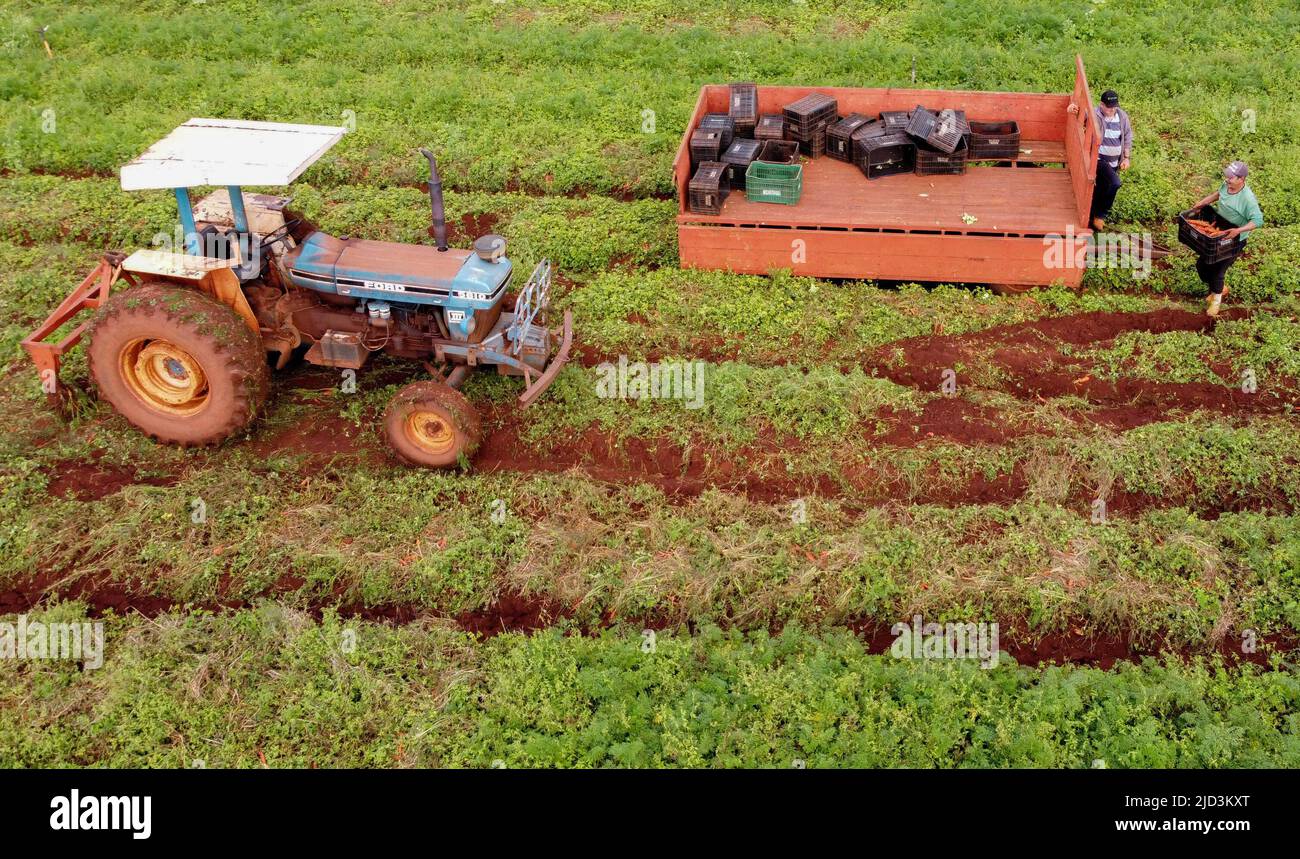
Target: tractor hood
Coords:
[(388, 270)]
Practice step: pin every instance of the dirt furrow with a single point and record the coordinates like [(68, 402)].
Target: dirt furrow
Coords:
[(519, 613)]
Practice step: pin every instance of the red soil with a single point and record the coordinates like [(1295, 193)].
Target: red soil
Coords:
[(93, 480), (1098, 651), (519, 613), (1029, 358)]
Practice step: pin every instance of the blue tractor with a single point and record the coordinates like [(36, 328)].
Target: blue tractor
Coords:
[(185, 354)]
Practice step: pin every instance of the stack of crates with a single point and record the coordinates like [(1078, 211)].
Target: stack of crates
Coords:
[(806, 121), (743, 108), (721, 123), (706, 145), (946, 131), (738, 157), (815, 145), (708, 188), (771, 126), (839, 137), (874, 128), (896, 120)]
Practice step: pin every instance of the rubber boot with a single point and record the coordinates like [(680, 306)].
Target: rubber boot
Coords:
[(1212, 304)]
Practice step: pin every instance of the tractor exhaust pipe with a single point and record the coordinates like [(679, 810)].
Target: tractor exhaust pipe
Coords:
[(439, 228)]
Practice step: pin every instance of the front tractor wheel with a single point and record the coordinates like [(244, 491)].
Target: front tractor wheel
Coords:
[(431, 425), (180, 366)]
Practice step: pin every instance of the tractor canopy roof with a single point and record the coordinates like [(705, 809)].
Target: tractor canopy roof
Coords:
[(230, 152)]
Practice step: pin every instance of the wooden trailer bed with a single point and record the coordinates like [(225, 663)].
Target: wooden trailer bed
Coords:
[(911, 227)]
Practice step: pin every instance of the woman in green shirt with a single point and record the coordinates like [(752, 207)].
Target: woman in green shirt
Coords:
[(1236, 210)]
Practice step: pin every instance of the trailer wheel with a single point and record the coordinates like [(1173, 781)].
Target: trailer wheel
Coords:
[(178, 365), (431, 425)]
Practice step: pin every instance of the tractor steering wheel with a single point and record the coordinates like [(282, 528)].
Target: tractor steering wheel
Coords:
[(275, 235)]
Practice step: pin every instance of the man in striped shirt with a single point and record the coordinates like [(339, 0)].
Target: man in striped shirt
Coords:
[(1112, 156)]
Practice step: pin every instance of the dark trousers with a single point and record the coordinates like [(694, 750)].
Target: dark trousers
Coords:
[(1212, 272), (1103, 195)]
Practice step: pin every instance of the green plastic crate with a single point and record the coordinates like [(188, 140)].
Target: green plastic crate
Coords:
[(766, 182)]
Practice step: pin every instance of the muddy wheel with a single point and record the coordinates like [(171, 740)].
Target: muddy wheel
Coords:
[(431, 425), (180, 366)]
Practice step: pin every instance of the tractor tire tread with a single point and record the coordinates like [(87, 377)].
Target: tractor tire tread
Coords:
[(240, 354), (467, 416)]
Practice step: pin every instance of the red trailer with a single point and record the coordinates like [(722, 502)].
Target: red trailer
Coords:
[(1020, 225)]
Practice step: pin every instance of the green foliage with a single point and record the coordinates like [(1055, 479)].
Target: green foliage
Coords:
[(553, 97), (587, 234), (556, 124), (729, 404), (267, 685), (786, 319), (1264, 343)]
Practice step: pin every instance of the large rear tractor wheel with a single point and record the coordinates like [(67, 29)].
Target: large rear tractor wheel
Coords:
[(431, 425), (180, 366)]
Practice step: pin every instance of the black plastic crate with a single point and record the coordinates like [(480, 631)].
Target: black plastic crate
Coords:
[(738, 157), (779, 152), (934, 162), (945, 130), (742, 106), (962, 126), (839, 137), (1211, 249), (814, 146), (874, 128), (803, 116), (706, 145), (771, 126), (708, 188), (720, 122), (895, 120), (879, 155), (994, 141)]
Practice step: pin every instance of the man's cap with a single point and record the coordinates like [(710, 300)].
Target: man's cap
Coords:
[(1236, 170), (1110, 98)]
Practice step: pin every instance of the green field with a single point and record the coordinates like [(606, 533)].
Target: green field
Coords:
[(333, 608)]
